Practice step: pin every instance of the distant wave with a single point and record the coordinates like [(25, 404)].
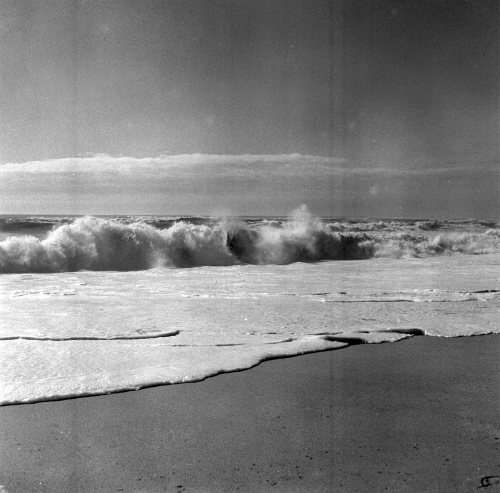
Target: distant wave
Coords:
[(406, 245), (92, 243)]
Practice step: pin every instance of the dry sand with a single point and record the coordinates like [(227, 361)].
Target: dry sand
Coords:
[(421, 415)]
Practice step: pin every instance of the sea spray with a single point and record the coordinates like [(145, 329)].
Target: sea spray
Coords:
[(302, 239)]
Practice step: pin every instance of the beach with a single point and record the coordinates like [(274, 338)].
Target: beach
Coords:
[(416, 415), (204, 358), (249, 246)]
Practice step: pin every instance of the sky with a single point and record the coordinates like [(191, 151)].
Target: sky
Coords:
[(377, 108)]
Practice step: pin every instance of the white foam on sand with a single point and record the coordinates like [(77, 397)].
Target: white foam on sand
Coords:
[(88, 333)]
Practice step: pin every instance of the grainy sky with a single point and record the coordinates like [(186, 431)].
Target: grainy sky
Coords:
[(354, 107)]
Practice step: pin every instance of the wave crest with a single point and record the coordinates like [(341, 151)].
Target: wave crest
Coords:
[(304, 239), (98, 244)]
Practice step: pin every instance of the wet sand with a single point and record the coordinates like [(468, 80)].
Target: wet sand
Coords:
[(421, 415)]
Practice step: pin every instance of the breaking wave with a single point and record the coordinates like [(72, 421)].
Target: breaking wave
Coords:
[(91, 243)]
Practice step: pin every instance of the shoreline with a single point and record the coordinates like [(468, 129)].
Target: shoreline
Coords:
[(417, 415)]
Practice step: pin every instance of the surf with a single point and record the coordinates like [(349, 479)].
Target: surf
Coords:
[(129, 244)]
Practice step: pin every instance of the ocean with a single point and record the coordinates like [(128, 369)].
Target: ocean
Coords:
[(96, 305)]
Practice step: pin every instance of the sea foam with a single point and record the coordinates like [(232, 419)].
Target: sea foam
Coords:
[(93, 332)]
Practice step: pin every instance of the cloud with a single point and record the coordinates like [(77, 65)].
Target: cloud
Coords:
[(244, 165), (106, 162), (246, 184)]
